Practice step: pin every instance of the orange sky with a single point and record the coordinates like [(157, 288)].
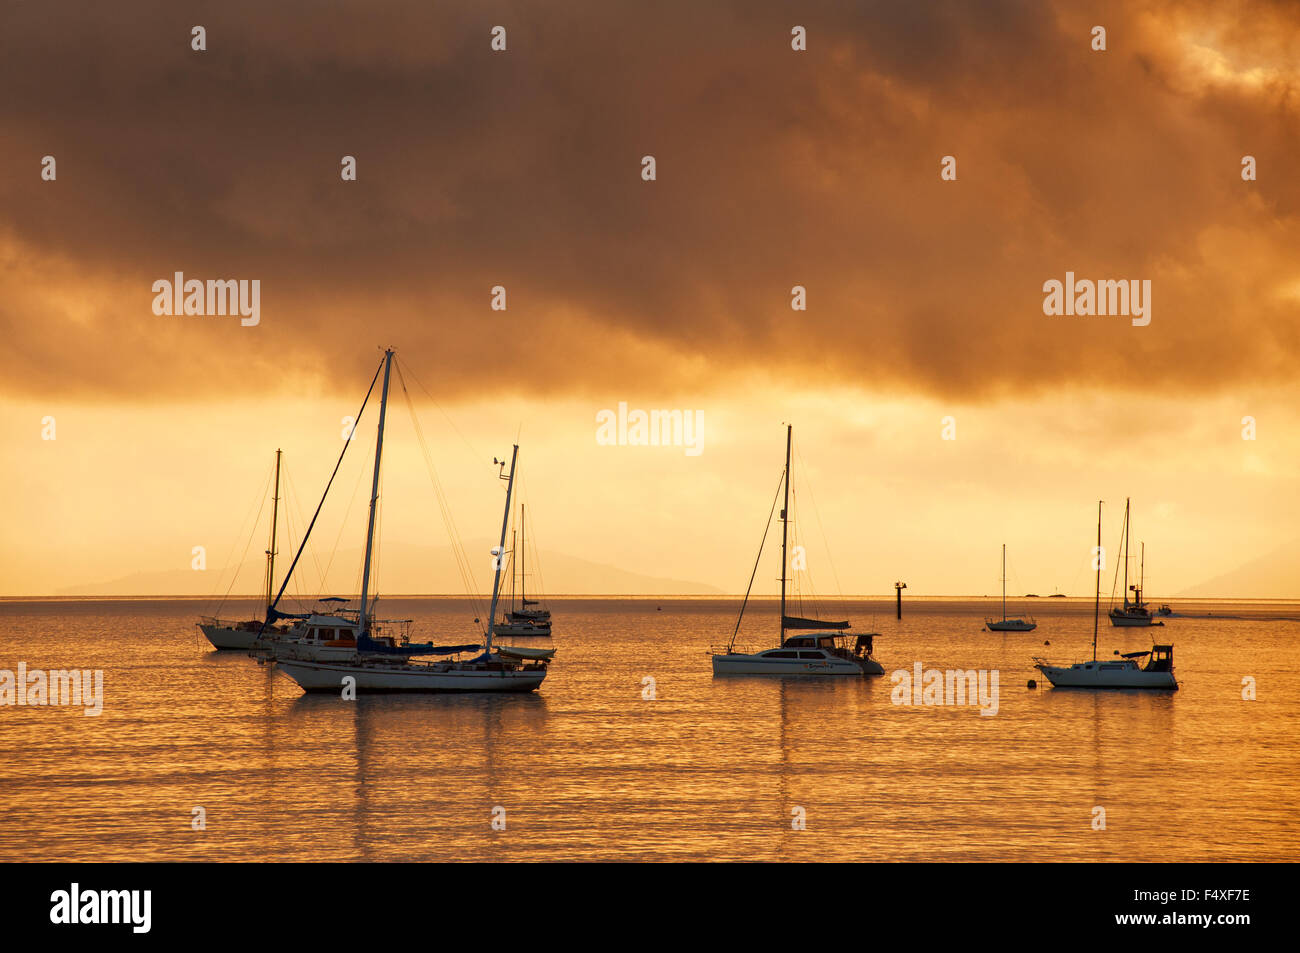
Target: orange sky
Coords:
[(775, 168)]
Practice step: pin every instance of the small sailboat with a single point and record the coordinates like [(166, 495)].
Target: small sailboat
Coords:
[(524, 621), (372, 669), (1004, 624), (798, 654), (1135, 613), (1123, 672), (225, 634)]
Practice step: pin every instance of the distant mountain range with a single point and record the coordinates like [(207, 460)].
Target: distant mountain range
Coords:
[(1275, 575), (407, 569), (404, 569)]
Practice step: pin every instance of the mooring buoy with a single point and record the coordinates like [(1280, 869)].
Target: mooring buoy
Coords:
[(1032, 683)]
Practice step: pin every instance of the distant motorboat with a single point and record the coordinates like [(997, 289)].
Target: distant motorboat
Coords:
[(1124, 672), (1004, 624), (799, 654)]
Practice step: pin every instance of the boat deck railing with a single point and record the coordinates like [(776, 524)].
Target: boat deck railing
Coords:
[(737, 649)]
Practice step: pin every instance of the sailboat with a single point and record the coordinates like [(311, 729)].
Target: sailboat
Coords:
[(1134, 613), (372, 669), (798, 654), (1004, 624), (224, 634), (1124, 672), (524, 620), (332, 633)]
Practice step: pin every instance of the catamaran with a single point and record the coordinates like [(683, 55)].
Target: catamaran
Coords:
[(225, 634), (1124, 672), (1004, 624), (524, 620), (371, 668), (798, 654)]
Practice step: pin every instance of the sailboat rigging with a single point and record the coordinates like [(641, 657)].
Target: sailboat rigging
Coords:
[(241, 635), (797, 654), (1135, 613), (1004, 624), (375, 663), (1124, 672), (524, 621)]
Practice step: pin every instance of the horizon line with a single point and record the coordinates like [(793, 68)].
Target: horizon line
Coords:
[(623, 595)]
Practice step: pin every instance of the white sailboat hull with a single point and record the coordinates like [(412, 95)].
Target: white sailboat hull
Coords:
[(1004, 624), (1106, 675), (741, 664), (427, 679), (1129, 620), (1010, 625), (526, 653), (224, 637)]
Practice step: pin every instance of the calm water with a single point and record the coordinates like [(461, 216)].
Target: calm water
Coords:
[(710, 769)]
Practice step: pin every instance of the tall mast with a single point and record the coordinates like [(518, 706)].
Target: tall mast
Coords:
[(785, 525), (512, 568), (1004, 582), (1096, 606), (1142, 571), (1125, 553), (374, 495), (505, 520), (270, 553), (523, 554)]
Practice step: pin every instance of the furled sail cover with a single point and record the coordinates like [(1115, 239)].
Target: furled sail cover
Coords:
[(367, 644), (794, 622), (275, 615)]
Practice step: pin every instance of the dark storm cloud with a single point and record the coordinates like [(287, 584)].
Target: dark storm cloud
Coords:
[(522, 169)]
